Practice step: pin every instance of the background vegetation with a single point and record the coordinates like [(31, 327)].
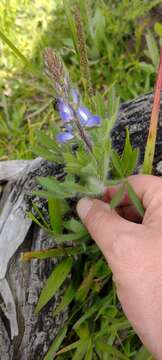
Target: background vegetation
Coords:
[(116, 42), (122, 52)]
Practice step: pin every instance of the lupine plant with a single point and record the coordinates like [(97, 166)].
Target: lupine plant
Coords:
[(81, 147), (81, 144)]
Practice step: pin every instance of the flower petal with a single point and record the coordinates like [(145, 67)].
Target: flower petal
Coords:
[(65, 110), (64, 137), (93, 121), (75, 96), (84, 114)]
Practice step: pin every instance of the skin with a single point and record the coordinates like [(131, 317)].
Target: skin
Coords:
[(133, 249)]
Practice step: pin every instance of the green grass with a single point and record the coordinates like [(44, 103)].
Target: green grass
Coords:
[(115, 38), (119, 56)]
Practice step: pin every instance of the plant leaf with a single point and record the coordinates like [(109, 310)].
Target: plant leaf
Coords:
[(71, 23), (117, 198), (17, 52), (108, 349), (56, 252), (136, 201), (81, 349), (84, 288), (54, 282), (66, 299), (89, 353), (129, 156), (55, 214), (56, 344), (117, 163), (153, 49), (68, 348), (143, 354)]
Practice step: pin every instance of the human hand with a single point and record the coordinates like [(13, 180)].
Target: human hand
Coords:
[(134, 253)]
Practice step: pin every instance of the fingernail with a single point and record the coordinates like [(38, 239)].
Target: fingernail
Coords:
[(83, 207)]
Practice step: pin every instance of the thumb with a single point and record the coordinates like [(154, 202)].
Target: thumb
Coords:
[(103, 223)]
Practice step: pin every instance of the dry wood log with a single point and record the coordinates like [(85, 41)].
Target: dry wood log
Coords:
[(23, 335)]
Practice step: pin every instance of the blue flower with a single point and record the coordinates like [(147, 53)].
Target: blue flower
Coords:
[(68, 113), (87, 118), (64, 137), (93, 121), (65, 110), (84, 114)]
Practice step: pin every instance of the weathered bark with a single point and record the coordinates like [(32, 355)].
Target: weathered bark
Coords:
[(20, 283)]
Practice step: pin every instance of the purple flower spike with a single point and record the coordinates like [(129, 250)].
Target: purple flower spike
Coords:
[(93, 121), (84, 114), (64, 137), (65, 110)]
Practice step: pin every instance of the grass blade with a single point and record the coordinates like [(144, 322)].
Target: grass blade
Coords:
[(54, 209), (62, 251), (56, 344), (54, 282), (17, 52), (108, 349), (70, 23), (66, 299)]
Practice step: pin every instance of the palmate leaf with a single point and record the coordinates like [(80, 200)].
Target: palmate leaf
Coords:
[(47, 154), (75, 163), (53, 186), (66, 189), (129, 156), (54, 282), (116, 161), (127, 162), (46, 141), (56, 344)]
